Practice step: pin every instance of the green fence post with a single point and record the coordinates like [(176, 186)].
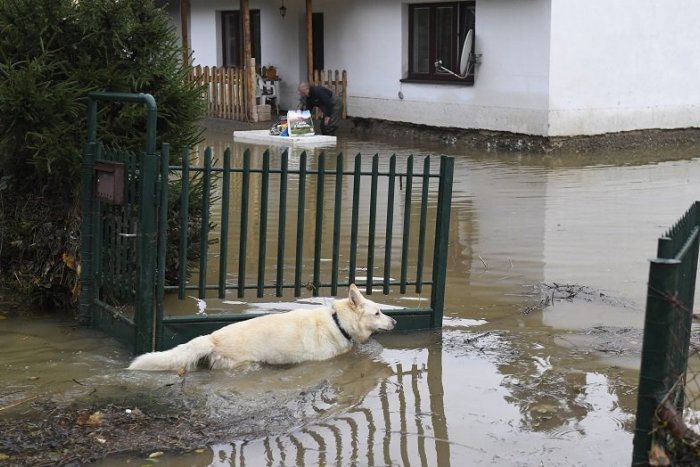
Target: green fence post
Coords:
[(145, 317), (442, 231), (656, 344), (87, 280)]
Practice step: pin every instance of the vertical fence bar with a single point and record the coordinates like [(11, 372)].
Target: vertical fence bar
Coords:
[(242, 248), (318, 231), (406, 223), (372, 223), (656, 344), (225, 207), (355, 218), (339, 164), (87, 223), (144, 317), (204, 235), (98, 237), (162, 240), (184, 223), (284, 177), (423, 223), (442, 235), (389, 224), (262, 238), (300, 224)]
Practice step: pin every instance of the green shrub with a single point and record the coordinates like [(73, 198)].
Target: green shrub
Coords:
[(52, 54)]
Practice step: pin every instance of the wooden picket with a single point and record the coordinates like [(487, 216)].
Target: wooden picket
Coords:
[(336, 81), (224, 91)]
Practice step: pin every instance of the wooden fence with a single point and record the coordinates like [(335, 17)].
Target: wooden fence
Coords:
[(225, 91), (335, 81), (226, 95)]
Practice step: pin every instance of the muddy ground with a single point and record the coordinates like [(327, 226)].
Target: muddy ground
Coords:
[(175, 418)]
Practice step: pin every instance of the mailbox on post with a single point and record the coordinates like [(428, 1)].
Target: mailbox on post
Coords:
[(109, 181)]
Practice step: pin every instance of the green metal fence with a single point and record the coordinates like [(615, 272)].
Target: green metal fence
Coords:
[(313, 228), (667, 333), (266, 226)]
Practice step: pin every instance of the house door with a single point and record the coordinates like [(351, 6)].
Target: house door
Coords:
[(317, 25), (232, 37)]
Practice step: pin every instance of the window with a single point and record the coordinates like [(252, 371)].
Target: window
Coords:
[(232, 37), (436, 32)]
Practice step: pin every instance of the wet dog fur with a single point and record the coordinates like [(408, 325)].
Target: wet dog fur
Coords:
[(295, 336)]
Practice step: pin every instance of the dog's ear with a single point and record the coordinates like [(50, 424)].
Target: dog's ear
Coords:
[(355, 296)]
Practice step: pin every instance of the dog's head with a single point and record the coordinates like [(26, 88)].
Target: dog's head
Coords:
[(369, 317)]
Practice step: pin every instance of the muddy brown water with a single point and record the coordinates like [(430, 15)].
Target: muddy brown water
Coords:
[(537, 362)]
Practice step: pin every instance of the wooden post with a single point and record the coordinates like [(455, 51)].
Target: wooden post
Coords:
[(184, 25), (309, 41), (248, 61)]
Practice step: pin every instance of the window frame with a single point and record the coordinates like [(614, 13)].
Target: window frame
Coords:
[(464, 12)]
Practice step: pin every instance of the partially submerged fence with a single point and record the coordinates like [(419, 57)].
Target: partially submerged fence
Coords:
[(312, 227), (669, 391), (383, 226)]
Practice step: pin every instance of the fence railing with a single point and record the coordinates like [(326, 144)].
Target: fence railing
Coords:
[(668, 391)]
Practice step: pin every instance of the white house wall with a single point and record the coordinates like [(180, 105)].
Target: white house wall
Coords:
[(621, 65), (368, 39), (548, 67)]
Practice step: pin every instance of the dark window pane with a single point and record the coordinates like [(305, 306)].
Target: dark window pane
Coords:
[(445, 36), (421, 40)]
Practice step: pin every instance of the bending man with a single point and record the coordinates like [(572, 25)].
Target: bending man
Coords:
[(324, 99)]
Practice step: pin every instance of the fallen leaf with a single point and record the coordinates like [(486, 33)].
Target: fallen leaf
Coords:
[(658, 456), (94, 419), (3, 456), (69, 260), (181, 372)]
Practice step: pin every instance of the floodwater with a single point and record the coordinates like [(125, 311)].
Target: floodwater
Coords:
[(537, 362)]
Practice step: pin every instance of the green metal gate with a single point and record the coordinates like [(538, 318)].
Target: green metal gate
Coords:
[(382, 223), (118, 231)]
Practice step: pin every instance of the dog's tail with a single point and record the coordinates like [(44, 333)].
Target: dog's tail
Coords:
[(183, 356)]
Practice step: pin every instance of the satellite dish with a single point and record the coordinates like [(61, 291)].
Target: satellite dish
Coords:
[(466, 52), (466, 60)]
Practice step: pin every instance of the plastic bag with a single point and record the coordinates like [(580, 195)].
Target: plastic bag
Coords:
[(300, 123)]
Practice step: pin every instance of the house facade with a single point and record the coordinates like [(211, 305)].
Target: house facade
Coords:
[(543, 67)]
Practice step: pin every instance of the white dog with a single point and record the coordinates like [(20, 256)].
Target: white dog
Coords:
[(307, 334)]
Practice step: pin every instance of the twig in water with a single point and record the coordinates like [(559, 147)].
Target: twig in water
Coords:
[(15, 404), (435, 438), (486, 266)]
